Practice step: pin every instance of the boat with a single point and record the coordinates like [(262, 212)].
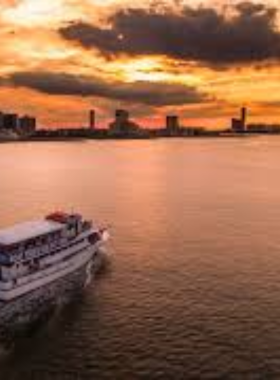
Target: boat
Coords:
[(34, 254), (41, 260)]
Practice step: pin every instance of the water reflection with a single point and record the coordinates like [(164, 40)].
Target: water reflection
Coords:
[(194, 291)]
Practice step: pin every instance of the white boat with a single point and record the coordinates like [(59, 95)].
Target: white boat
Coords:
[(37, 254)]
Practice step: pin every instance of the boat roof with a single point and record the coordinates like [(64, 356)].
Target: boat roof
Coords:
[(28, 230)]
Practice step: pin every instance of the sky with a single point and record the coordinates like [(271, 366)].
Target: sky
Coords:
[(202, 60)]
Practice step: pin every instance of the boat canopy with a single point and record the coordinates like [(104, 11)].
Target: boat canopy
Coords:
[(27, 231)]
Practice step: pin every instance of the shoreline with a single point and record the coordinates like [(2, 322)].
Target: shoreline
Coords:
[(125, 138)]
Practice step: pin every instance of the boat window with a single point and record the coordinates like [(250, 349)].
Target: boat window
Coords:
[(29, 245), (44, 240), (14, 251), (4, 258)]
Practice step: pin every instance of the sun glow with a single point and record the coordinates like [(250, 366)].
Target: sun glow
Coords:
[(31, 42), (152, 70), (35, 12)]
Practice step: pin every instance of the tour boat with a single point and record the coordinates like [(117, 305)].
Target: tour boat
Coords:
[(36, 255)]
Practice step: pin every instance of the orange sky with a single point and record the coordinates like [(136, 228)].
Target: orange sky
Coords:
[(59, 58)]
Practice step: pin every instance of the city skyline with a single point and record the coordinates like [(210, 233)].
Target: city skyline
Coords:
[(200, 60)]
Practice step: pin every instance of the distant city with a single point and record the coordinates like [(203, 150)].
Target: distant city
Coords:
[(14, 127)]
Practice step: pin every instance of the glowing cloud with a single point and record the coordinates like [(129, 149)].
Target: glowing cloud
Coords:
[(202, 61)]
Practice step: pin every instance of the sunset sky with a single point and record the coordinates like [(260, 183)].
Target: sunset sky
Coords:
[(200, 59)]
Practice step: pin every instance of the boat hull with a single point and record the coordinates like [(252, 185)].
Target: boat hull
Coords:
[(49, 275), (22, 311)]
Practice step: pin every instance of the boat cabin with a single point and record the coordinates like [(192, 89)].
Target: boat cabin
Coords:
[(23, 245)]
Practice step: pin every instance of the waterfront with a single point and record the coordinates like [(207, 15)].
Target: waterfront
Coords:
[(193, 287)]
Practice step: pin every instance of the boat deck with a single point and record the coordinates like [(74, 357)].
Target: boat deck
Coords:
[(28, 230)]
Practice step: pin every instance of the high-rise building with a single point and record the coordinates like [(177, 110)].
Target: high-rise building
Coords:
[(243, 117), (1, 120), (92, 122), (172, 123), (10, 121), (122, 124), (239, 125), (122, 120), (26, 125)]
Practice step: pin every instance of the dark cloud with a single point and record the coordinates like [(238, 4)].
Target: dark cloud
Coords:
[(246, 35), (153, 94)]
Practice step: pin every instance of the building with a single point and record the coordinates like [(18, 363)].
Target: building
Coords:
[(244, 116), (92, 119), (1, 121), (122, 125), (172, 123), (10, 121), (239, 125), (264, 128), (26, 126)]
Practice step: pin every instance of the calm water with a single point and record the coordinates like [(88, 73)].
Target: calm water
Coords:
[(193, 289)]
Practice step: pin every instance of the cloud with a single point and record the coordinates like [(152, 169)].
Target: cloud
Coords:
[(141, 92), (270, 103), (246, 35)]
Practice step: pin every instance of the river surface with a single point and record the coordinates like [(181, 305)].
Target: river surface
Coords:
[(192, 290)]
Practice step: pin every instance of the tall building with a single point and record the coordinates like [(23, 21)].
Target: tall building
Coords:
[(172, 123), (26, 125), (1, 120), (122, 120), (14, 126), (92, 119), (243, 117), (10, 121), (239, 125), (122, 123)]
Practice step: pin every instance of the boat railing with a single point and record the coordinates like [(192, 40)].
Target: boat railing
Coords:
[(6, 285)]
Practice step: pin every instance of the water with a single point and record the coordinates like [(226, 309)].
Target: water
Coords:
[(193, 286)]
